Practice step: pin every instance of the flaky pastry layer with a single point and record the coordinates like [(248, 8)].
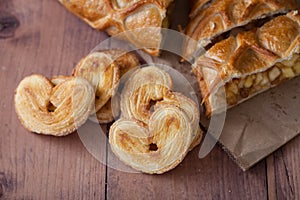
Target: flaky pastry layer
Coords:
[(50, 109), (157, 126), (250, 62), (169, 131), (224, 15), (117, 16)]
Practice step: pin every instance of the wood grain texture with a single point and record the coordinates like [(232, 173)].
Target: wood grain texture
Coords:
[(284, 171), (214, 177), (33, 166), (42, 37)]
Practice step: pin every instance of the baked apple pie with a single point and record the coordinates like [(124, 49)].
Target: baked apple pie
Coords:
[(250, 62)]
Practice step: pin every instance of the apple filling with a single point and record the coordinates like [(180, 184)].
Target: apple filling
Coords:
[(242, 88)]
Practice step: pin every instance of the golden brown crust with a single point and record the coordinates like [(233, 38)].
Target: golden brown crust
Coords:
[(103, 74), (154, 139), (144, 85), (53, 110), (187, 105), (198, 138), (105, 114), (125, 62), (197, 6), (116, 16), (248, 53), (170, 132), (224, 15)]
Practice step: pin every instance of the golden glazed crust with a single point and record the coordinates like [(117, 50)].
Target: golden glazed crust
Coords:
[(53, 110), (223, 15), (116, 16), (247, 53), (170, 132)]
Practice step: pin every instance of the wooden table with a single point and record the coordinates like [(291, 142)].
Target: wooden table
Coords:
[(45, 38)]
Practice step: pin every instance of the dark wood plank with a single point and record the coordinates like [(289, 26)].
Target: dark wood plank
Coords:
[(284, 172), (271, 177), (49, 40), (214, 177)]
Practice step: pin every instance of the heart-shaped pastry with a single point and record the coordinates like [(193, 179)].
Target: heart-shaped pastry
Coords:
[(151, 86), (157, 126), (157, 149), (102, 72), (53, 110)]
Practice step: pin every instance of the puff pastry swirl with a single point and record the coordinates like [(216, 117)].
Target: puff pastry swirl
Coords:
[(53, 109), (153, 151), (144, 136), (251, 62), (223, 15), (116, 16), (144, 85)]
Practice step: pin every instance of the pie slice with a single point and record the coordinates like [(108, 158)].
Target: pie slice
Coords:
[(210, 19), (132, 16), (251, 62)]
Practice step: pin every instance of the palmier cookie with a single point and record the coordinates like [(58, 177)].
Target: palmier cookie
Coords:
[(49, 109), (157, 149)]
